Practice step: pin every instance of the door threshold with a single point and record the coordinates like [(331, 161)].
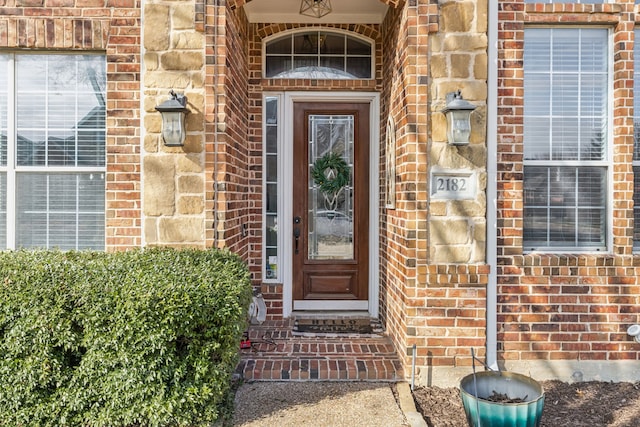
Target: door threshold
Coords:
[(332, 314), (331, 305)]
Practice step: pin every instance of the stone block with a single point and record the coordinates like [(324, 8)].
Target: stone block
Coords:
[(450, 156), (191, 184), (194, 121), (151, 142), (195, 101), (153, 122), (151, 230), (480, 66), (197, 79), (190, 205), (457, 17), (438, 127), (183, 16), (181, 230), (438, 66), (472, 90), (473, 156), (150, 101), (460, 65), (150, 61), (438, 208), (451, 254), (479, 251), (159, 185), (481, 16), (480, 232), (449, 232), (167, 80), (182, 61), (465, 42), (189, 40), (467, 208), (194, 143), (189, 163), (436, 43), (156, 27)]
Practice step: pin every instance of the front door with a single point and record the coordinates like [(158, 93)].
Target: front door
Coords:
[(330, 203)]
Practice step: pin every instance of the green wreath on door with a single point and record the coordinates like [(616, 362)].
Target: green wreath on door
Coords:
[(330, 173)]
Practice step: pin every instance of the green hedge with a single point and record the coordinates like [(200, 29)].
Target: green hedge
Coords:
[(139, 338)]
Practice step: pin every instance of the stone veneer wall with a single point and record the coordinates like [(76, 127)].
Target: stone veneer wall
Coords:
[(565, 315), (197, 195), (174, 177), (112, 27)]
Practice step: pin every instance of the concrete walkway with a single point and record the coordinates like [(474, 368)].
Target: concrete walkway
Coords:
[(325, 404)]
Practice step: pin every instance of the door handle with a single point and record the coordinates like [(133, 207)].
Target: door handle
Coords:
[(296, 233)]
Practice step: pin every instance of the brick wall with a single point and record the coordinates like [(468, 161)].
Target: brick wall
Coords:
[(393, 310), (112, 27), (435, 273), (231, 146), (569, 311), (434, 302)]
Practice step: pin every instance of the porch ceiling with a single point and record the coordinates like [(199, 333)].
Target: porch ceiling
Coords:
[(287, 11)]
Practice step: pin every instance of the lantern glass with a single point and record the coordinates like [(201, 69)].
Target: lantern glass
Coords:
[(173, 128), (315, 8), (458, 126)]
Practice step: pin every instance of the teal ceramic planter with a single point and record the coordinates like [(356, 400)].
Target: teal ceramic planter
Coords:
[(482, 412)]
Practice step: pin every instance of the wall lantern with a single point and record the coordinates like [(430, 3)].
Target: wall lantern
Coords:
[(173, 113), (315, 8), (458, 114)]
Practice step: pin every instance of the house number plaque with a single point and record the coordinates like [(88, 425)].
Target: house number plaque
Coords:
[(453, 184)]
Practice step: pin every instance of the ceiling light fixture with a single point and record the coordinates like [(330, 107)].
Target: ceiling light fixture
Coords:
[(315, 8)]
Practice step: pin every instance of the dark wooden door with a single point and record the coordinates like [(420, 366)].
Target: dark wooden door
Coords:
[(330, 201)]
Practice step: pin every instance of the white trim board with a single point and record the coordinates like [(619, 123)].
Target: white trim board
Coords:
[(374, 198)]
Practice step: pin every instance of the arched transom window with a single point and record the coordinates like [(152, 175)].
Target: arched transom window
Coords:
[(318, 55)]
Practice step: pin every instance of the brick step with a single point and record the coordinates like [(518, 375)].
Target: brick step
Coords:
[(277, 354)]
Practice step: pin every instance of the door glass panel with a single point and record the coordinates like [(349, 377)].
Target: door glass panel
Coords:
[(330, 215), (271, 184)]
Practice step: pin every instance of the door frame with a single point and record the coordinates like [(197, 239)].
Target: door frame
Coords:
[(371, 305)]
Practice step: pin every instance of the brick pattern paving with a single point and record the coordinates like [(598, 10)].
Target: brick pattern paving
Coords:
[(277, 354)]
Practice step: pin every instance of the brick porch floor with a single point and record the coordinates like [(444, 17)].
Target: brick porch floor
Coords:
[(276, 354)]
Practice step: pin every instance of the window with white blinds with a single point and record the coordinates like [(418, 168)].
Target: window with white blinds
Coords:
[(52, 151), (566, 117)]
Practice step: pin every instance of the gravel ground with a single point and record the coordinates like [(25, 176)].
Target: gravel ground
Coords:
[(321, 404)]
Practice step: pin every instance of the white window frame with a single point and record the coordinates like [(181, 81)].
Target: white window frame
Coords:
[(12, 169), (607, 163), (286, 102), (292, 33), (279, 187)]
